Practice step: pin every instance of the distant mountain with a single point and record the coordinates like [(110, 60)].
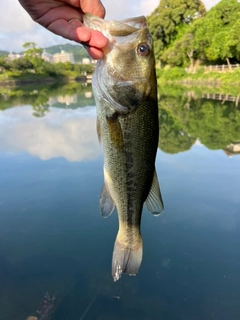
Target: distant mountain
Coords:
[(3, 53), (77, 50)]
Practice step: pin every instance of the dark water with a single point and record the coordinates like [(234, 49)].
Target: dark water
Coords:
[(53, 239)]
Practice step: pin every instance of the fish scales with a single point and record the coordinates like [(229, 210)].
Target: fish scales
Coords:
[(125, 90)]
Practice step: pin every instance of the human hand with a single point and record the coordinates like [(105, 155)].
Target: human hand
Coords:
[(65, 17)]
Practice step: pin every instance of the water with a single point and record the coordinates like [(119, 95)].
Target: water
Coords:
[(53, 239)]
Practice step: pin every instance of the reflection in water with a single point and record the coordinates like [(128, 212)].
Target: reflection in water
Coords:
[(61, 133), (67, 100), (186, 118), (72, 95), (232, 149), (53, 239)]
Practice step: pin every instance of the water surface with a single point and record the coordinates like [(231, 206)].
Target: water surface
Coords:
[(52, 237)]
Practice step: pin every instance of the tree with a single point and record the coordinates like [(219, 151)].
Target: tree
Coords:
[(218, 35), (169, 17), (184, 118), (31, 50), (4, 64), (33, 54), (214, 37), (21, 64)]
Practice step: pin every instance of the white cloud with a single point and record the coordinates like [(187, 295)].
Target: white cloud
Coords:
[(210, 3), (14, 18), (16, 27), (72, 136), (147, 7)]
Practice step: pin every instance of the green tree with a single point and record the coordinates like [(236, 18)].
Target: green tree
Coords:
[(173, 137), (33, 54), (185, 50), (218, 36), (22, 64), (169, 17), (185, 118), (31, 50), (4, 63), (84, 68)]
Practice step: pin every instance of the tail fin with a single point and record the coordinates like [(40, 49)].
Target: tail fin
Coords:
[(126, 260)]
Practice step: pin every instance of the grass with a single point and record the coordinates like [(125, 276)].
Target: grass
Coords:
[(180, 76)]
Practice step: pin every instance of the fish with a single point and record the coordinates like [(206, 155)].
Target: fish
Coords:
[(125, 90)]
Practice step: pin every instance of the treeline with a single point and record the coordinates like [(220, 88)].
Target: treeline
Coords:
[(40, 98), (185, 34), (184, 118), (32, 63)]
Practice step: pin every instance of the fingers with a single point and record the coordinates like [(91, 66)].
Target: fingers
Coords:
[(95, 53), (95, 44), (94, 6), (74, 30), (96, 38)]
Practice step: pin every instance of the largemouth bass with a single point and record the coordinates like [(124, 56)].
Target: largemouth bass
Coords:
[(125, 89)]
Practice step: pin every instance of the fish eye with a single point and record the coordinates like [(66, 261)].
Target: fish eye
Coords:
[(143, 49)]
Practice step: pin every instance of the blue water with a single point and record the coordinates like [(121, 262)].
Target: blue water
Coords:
[(53, 239)]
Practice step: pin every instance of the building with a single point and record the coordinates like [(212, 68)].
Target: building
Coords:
[(86, 61), (14, 56), (232, 149), (63, 57), (67, 99), (47, 56)]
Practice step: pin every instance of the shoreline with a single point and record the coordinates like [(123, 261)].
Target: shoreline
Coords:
[(19, 82), (37, 80)]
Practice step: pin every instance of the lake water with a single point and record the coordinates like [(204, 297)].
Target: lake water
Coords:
[(52, 236)]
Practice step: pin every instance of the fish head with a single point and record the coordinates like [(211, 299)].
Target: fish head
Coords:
[(126, 74)]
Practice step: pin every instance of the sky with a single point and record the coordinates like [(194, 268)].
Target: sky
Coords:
[(16, 27)]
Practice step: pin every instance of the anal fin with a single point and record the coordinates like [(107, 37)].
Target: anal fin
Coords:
[(154, 202)]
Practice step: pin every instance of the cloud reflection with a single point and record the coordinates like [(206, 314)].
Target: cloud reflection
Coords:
[(70, 134)]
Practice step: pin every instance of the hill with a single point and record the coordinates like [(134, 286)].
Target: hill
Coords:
[(3, 53), (77, 50)]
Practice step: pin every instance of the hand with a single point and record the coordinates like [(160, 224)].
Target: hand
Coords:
[(64, 18)]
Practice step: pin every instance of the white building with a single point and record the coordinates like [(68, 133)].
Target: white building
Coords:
[(63, 57), (14, 56), (86, 61), (47, 56)]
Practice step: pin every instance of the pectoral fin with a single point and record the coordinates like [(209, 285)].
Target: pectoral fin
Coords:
[(115, 131), (154, 202), (107, 204)]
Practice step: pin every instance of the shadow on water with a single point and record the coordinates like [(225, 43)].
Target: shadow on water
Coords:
[(75, 306)]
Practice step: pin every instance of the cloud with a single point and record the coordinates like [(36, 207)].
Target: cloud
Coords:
[(66, 133), (210, 3), (14, 18), (147, 7), (17, 27)]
